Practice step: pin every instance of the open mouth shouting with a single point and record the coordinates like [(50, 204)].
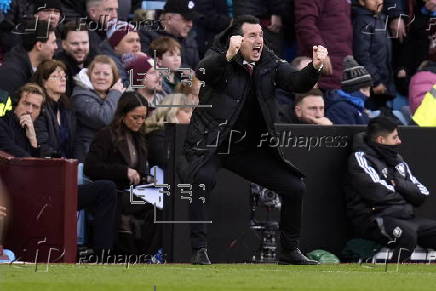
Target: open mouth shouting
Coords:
[(257, 50)]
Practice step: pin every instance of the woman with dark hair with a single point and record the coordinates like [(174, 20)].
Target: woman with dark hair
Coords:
[(56, 126), (119, 153), (95, 99)]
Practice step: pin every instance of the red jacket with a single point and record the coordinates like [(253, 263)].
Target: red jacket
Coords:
[(326, 23)]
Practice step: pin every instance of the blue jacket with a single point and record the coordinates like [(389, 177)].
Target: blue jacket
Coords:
[(372, 46), (344, 108)]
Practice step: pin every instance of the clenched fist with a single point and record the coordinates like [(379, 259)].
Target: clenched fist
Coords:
[(320, 54), (234, 46)]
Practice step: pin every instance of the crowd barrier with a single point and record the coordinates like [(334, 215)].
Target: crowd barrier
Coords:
[(43, 197), (42, 208)]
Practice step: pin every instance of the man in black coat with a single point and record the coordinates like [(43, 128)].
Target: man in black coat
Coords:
[(39, 44), (240, 76), (382, 192), (17, 134)]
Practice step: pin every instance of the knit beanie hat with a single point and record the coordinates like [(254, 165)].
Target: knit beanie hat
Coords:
[(117, 30), (354, 76), (139, 63), (46, 4)]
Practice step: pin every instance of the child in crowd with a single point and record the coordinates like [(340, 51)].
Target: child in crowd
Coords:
[(167, 52), (347, 105)]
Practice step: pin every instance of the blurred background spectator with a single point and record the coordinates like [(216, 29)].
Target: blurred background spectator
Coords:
[(326, 23), (38, 45)]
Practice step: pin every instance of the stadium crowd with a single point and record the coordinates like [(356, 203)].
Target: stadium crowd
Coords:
[(95, 80)]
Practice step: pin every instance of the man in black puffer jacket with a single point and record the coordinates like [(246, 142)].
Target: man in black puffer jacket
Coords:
[(382, 192), (240, 76)]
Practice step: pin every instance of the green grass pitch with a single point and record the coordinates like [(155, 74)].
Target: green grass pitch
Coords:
[(217, 277)]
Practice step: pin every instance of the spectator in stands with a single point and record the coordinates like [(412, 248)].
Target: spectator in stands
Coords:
[(17, 137), (176, 19), (100, 12), (118, 153), (308, 109), (39, 44), (48, 10), (75, 53), (382, 192), (155, 125), (325, 22), (95, 100), (73, 9), (122, 38), (17, 133), (144, 78), (168, 56), (347, 105), (425, 112), (270, 15), (190, 88), (422, 82), (171, 110), (20, 11), (372, 49), (421, 34), (56, 127), (215, 16)]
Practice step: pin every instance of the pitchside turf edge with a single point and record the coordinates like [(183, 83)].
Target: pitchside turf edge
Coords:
[(217, 277)]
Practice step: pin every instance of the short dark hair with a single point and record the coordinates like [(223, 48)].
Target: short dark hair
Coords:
[(312, 92), (69, 27), (34, 31), (380, 126), (235, 27)]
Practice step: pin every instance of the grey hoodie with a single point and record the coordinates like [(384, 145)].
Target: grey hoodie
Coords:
[(93, 112)]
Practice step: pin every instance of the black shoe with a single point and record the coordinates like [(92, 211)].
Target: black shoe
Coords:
[(295, 257), (200, 257)]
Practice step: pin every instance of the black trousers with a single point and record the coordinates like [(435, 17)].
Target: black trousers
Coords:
[(100, 199), (148, 237), (259, 166), (410, 232)]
